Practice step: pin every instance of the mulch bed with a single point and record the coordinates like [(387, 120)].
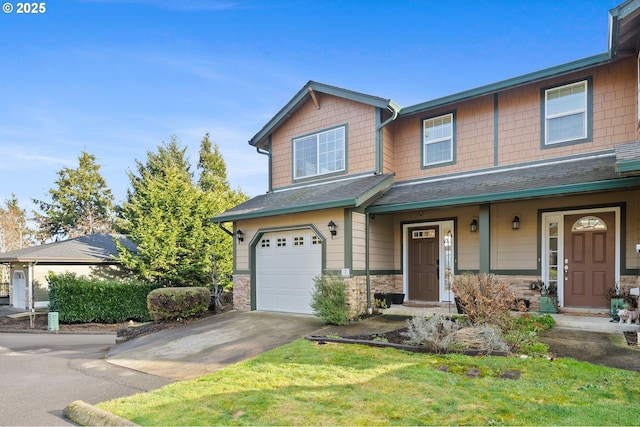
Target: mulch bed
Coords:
[(394, 339)]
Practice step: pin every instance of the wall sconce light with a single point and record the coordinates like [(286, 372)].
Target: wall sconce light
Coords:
[(332, 228), (473, 227), (515, 224), (240, 236)]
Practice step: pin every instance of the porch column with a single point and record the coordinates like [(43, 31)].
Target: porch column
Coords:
[(485, 244)]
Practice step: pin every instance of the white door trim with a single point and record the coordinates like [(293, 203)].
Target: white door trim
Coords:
[(444, 292), (558, 216)]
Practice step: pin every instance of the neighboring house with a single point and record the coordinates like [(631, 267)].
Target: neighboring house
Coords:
[(532, 178), (92, 256)]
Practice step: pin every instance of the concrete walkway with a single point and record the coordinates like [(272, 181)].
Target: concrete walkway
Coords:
[(596, 321)]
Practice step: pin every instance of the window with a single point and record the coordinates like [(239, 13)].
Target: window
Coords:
[(589, 223), (437, 140), (566, 113), (281, 242), (320, 153), (298, 241)]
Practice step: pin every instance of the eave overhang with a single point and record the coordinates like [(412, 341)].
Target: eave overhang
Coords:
[(347, 193), (559, 70), (308, 92)]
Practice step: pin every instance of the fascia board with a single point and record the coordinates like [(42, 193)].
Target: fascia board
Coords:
[(344, 203), (348, 202), (627, 166), (303, 93), (508, 84), (511, 195)]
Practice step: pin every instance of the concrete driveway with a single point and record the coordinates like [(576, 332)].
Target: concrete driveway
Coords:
[(213, 343)]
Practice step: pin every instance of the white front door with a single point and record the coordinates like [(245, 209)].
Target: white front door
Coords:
[(286, 265), (19, 290)]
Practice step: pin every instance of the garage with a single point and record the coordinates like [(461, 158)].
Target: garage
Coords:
[(286, 265)]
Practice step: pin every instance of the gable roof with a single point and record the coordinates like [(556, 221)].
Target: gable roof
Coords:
[(346, 193), (94, 249), (574, 175), (260, 140)]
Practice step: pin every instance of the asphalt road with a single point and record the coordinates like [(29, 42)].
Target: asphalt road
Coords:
[(40, 374)]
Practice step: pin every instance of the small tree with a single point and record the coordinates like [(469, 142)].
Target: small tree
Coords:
[(329, 300)]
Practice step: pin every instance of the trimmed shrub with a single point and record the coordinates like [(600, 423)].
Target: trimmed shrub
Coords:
[(78, 299), (178, 303), (329, 300)]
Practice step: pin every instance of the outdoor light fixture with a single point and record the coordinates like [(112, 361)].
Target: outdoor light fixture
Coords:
[(473, 227), (515, 224), (240, 236), (332, 228)]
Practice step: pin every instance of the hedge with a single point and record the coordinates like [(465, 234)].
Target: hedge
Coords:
[(81, 300), (178, 303)]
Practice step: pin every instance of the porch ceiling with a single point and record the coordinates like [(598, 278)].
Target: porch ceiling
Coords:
[(345, 193), (568, 176)]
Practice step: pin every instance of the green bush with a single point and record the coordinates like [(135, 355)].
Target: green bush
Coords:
[(78, 299), (329, 300), (175, 303)]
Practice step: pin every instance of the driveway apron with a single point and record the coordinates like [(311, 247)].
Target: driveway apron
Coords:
[(211, 344)]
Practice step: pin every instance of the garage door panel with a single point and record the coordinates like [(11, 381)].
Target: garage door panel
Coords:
[(286, 266)]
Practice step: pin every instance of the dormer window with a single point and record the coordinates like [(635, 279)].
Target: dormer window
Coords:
[(319, 153)]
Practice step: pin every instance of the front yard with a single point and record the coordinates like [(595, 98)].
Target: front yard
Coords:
[(306, 383)]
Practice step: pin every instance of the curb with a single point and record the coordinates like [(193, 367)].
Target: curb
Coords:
[(84, 414)]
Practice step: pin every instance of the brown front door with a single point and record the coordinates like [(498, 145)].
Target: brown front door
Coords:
[(424, 281), (589, 264)]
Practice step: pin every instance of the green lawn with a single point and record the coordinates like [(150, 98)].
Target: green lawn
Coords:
[(305, 383)]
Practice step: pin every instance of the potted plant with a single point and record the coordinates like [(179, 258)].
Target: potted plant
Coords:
[(548, 297), (620, 299), (383, 298)]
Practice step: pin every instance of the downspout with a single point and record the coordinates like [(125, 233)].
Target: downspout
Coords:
[(395, 109), (230, 233), (268, 154), (366, 263)]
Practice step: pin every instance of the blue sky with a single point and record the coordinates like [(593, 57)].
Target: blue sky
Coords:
[(116, 78)]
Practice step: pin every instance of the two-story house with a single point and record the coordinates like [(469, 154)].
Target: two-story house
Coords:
[(531, 178)]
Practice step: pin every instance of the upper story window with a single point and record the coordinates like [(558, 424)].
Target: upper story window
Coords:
[(438, 136), (567, 115), (319, 153)]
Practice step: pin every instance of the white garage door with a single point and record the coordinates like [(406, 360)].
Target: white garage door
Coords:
[(286, 264)]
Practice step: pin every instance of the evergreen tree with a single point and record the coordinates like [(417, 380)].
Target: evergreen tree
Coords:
[(15, 232), (168, 217), (213, 180), (81, 204)]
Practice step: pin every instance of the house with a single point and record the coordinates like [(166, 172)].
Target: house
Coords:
[(91, 256), (532, 178)]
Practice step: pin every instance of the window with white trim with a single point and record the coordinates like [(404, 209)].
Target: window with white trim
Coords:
[(566, 115), (437, 140), (320, 153)]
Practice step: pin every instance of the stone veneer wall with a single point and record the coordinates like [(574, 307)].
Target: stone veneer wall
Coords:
[(357, 288), (241, 292)]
